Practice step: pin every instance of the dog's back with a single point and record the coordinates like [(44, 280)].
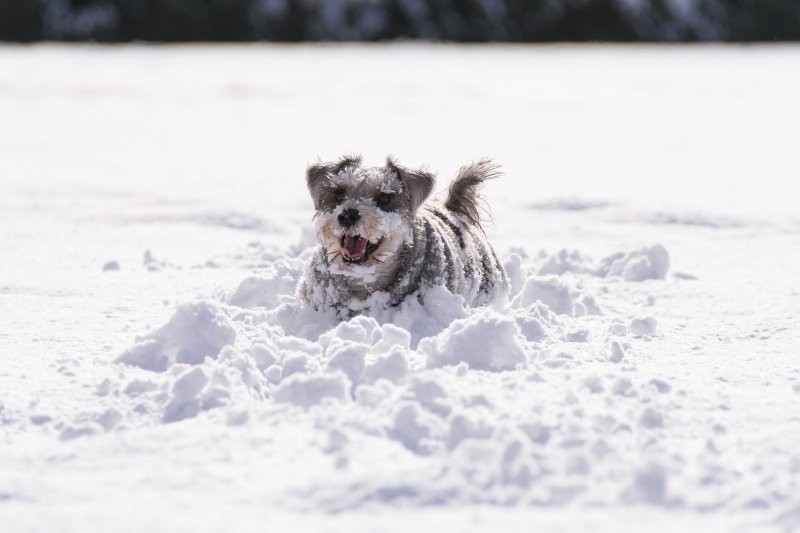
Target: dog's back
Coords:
[(451, 248)]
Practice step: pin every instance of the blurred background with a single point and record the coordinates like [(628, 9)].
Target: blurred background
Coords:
[(374, 20)]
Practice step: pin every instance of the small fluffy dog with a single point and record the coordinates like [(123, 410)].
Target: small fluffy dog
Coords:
[(381, 241)]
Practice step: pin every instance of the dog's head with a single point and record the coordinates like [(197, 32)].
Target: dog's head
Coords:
[(365, 214)]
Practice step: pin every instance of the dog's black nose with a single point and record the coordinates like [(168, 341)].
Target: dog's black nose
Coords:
[(348, 217)]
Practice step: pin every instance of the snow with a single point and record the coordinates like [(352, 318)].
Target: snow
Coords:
[(651, 262), (197, 330), (485, 341), (306, 391), (156, 362)]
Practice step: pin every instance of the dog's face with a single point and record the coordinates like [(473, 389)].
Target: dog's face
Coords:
[(365, 215)]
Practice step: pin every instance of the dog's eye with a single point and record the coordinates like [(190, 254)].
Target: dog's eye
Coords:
[(339, 195), (383, 199)]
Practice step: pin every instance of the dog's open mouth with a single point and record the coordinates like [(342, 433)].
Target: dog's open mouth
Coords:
[(356, 249)]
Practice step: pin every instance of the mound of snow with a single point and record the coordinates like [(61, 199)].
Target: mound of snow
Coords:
[(392, 366), (358, 329), (486, 340), (348, 357), (650, 262), (196, 330), (266, 289), (308, 390), (534, 320), (185, 392), (437, 310), (365, 351), (562, 262), (643, 327), (557, 295), (415, 428)]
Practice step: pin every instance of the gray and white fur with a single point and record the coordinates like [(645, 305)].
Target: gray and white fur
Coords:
[(381, 239)]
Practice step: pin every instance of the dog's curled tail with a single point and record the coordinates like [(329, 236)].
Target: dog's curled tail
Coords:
[(464, 195)]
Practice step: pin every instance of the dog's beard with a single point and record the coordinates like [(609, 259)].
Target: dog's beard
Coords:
[(366, 249)]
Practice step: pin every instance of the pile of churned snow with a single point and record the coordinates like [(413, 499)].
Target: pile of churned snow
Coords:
[(540, 400), (535, 401)]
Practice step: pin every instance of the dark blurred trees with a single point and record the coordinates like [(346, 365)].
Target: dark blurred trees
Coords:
[(20, 21), (182, 20), (761, 20), (370, 20)]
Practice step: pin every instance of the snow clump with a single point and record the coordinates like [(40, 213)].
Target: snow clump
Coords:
[(556, 294), (486, 340), (650, 262), (308, 390), (265, 289), (196, 330)]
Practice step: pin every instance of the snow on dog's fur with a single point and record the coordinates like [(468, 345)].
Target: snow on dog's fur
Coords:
[(381, 239)]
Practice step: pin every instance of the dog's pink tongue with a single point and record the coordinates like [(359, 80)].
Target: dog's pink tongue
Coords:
[(355, 246)]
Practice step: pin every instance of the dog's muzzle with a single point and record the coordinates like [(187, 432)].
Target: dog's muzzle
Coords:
[(356, 249)]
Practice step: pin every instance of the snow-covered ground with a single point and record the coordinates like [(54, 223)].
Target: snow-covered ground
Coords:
[(157, 375)]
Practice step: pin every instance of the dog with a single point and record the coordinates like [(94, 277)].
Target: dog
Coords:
[(381, 240)]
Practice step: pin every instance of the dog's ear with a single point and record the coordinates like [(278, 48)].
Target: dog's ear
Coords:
[(418, 182), (320, 170), (347, 160), (317, 172)]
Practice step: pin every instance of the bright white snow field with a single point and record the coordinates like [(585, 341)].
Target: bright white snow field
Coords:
[(156, 373)]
